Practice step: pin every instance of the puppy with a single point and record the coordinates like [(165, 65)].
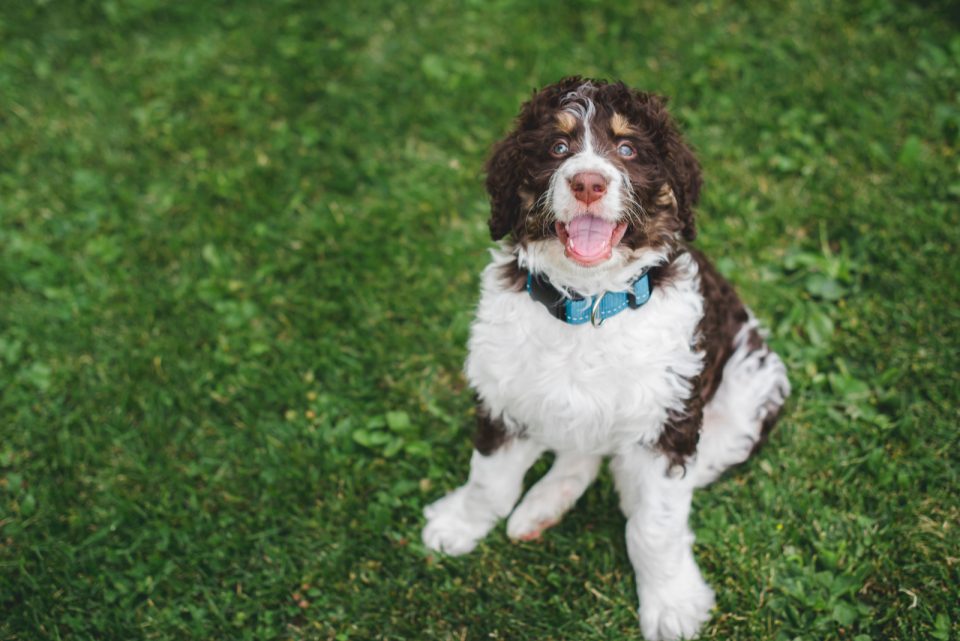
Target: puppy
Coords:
[(601, 332)]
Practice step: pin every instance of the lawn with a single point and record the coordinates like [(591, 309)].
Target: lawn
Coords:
[(239, 254)]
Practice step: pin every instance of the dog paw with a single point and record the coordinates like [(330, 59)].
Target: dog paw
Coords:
[(450, 528), (677, 611), (540, 509)]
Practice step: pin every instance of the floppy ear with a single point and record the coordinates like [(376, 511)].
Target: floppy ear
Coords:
[(506, 170), (503, 184), (680, 165)]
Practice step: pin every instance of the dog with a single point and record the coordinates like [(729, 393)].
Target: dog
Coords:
[(601, 332)]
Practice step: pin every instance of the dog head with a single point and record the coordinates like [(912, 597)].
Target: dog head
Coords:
[(594, 176)]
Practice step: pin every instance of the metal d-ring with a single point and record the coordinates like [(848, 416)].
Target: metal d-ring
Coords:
[(595, 318)]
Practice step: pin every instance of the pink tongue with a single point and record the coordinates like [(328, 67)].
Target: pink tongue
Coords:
[(589, 236)]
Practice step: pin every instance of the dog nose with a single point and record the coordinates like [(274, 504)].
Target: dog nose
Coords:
[(588, 187)]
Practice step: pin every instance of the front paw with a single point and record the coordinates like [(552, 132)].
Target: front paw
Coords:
[(451, 528), (677, 610), (541, 508)]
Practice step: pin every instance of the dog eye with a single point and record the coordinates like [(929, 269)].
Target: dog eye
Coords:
[(560, 148), (626, 151)]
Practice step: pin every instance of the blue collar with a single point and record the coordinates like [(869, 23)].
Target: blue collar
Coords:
[(592, 309)]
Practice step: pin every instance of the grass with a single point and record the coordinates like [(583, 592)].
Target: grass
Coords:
[(239, 247)]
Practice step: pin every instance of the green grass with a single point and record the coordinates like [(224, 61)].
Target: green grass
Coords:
[(239, 248)]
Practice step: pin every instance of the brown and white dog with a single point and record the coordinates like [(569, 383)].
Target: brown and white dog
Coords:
[(601, 333)]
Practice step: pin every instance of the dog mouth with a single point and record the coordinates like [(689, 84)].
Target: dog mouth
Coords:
[(589, 240)]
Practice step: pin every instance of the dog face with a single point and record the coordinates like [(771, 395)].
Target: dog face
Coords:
[(593, 174)]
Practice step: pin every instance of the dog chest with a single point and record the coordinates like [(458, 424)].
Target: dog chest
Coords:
[(582, 387)]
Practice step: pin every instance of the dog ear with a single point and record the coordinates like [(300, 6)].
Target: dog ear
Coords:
[(680, 165), (507, 168), (504, 177)]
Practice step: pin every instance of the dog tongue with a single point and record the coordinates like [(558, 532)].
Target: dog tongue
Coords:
[(589, 237)]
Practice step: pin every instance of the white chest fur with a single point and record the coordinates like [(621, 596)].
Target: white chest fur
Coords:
[(579, 387)]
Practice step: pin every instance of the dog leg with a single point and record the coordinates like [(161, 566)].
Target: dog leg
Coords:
[(744, 409), (457, 522), (546, 502), (675, 601)]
